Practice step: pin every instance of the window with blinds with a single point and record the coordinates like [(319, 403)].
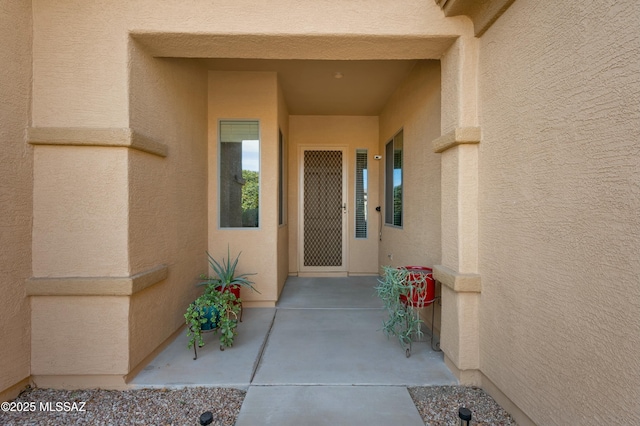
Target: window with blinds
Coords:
[(393, 181), (239, 170), (361, 193)]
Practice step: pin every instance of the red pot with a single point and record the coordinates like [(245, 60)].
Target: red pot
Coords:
[(235, 289), (423, 289)]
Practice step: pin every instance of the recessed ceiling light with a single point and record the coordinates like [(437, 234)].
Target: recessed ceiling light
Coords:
[(337, 74)]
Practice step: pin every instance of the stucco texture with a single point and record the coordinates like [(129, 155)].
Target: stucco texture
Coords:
[(415, 108), (80, 224), (167, 196), (247, 96), (283, 228), (80, 335), (558, 210), (16, 183), (104, 211), (92, 83)]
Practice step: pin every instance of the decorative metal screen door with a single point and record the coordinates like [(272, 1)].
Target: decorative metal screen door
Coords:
[(323, 211)]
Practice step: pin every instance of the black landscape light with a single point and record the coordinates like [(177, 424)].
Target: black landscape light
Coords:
[(206, 418), (465, 416)]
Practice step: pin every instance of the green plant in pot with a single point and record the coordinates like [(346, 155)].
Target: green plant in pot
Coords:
[(224, 278), (201, 315), (213, 311), (219, 307), (403, 321)]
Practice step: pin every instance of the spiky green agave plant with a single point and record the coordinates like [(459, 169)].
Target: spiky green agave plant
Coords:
[(225, 273)]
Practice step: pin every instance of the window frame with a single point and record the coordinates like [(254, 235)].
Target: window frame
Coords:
[(282, 179), (364, 151), (219, 154), (388, 192)]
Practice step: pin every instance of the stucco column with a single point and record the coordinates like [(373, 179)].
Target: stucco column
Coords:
[(81, 284), (458, 272)]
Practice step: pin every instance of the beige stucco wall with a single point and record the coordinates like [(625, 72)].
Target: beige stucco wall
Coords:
[(92, 82), (103, 211), (350, 132), (16, 183), (77, 192), (247, 96), (80, 201), (415, 108), (283, 230), (79, 335), (558, 210), (167, 195)]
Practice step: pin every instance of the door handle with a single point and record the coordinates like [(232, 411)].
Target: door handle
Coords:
[(344, 207)]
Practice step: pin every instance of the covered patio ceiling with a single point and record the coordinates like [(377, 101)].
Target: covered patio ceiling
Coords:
[(371, 66), (328, 87)]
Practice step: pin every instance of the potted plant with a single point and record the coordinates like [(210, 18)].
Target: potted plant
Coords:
[(401, 291), (218, 308), (225, 278), (422, 287), (213, 311)]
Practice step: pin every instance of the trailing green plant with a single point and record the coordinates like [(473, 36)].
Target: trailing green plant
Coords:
[(195, 317), (403, 321), (228, 319), (225, 274), (218, 308), (221, 308)]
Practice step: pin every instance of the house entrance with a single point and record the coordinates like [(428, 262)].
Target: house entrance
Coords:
[(323, 211)]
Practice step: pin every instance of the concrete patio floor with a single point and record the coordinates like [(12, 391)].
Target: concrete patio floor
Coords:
[(318, 358)]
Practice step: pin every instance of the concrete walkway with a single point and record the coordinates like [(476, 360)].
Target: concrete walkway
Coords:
[(319, 358)]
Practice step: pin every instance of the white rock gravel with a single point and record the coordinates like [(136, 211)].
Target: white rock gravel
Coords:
[(438, 405)]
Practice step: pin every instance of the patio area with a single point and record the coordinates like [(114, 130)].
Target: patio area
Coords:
[(320, 351)]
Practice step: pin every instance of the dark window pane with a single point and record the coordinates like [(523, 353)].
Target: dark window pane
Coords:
[(393, 181)]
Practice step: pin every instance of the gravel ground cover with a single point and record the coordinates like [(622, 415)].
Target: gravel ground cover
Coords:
[(130, 407), (438, 405)]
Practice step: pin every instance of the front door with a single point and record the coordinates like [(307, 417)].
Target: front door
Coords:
[(323, 211)]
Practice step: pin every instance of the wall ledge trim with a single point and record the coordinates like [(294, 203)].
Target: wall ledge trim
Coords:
[(482, 13), (104, 137), (460, 283), (84, 381), (96, 286), (459, 136)]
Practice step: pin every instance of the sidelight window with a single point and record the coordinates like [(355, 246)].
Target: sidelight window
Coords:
[(362, 181)]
